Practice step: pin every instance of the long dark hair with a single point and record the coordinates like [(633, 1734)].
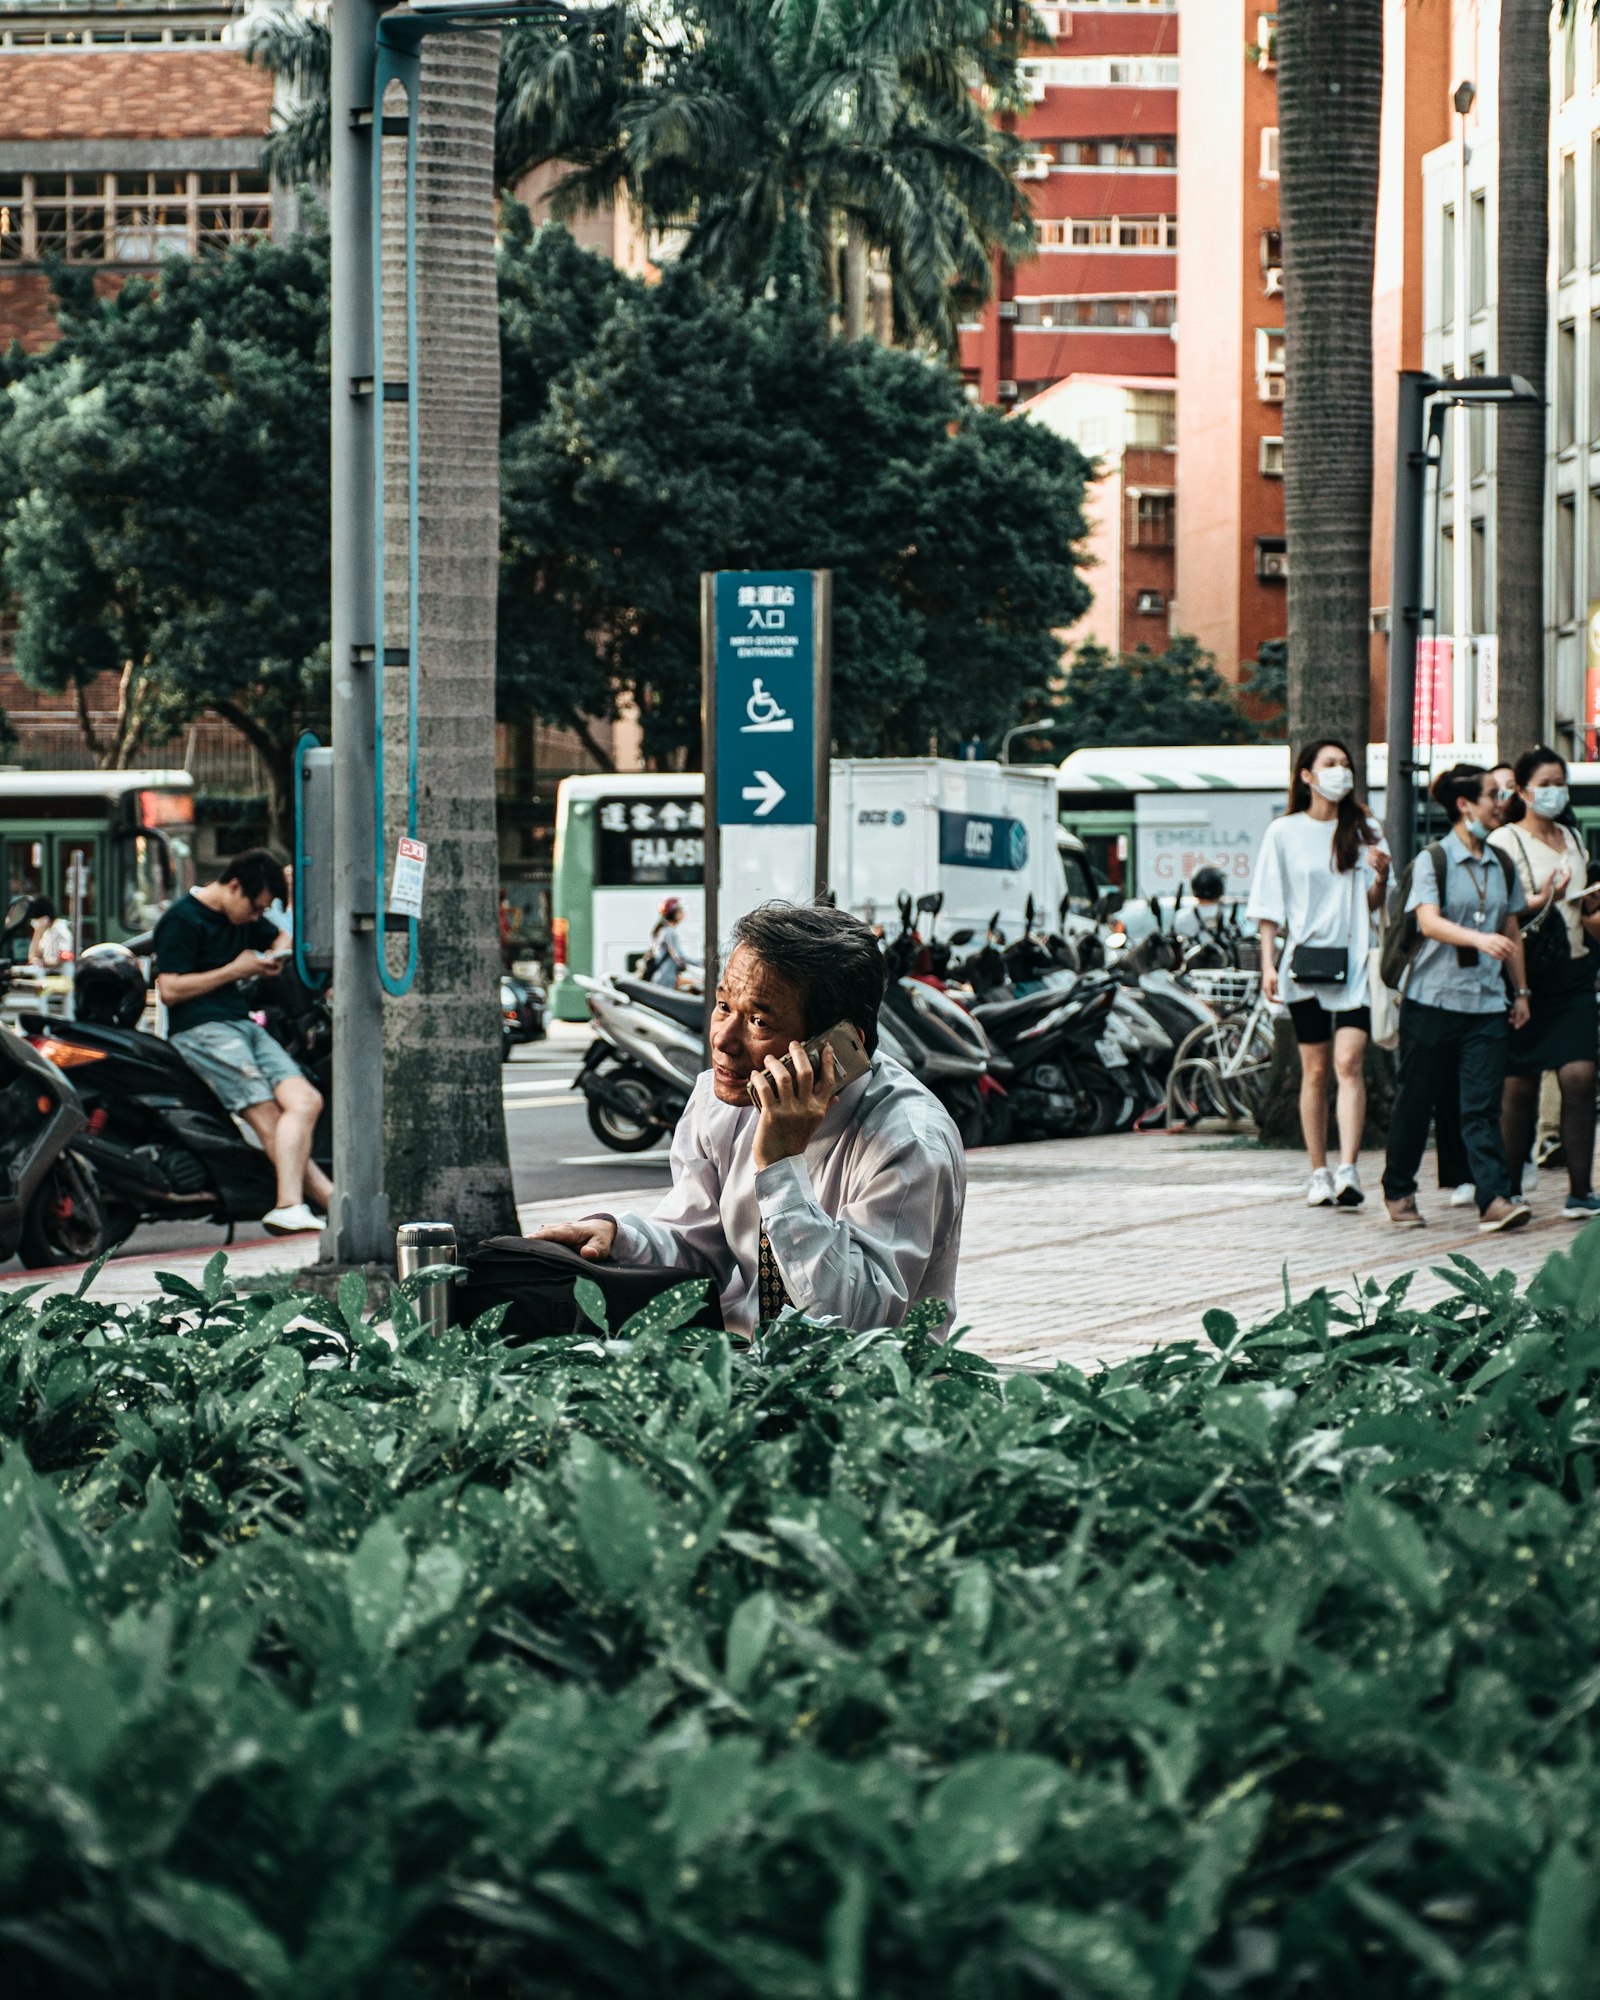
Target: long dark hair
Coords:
[(1529, 762), (1353, 829)]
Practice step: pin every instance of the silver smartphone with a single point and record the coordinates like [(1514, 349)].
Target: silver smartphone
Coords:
[(850, 1058)]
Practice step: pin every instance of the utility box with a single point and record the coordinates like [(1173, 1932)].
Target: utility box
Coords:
[(313, 857)]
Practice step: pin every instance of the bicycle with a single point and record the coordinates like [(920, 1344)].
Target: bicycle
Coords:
[(1221, 1068)]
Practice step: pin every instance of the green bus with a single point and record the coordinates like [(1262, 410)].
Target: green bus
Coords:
[(624, 840), (110, 849)]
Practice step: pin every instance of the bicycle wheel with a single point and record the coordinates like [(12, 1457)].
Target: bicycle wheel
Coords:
[(1244, 1059), (1195, 1088)]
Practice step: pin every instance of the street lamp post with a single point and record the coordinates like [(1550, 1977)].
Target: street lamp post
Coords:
[(1046, 728), (1411, 462)]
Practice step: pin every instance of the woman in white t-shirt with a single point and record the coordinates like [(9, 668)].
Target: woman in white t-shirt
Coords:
[(1318, 879)]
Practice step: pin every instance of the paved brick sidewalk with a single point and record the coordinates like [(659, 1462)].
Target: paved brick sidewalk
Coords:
[(1092, 1249)]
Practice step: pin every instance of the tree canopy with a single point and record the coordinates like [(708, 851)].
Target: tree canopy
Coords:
[(693, 432), (164, 477), (1145, 698)]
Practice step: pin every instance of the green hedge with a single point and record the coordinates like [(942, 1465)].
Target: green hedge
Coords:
[(835, 1666)]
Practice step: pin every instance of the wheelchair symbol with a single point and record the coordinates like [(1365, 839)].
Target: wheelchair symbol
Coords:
[(768, 717)]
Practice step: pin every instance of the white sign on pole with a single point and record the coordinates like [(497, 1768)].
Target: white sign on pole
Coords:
[(410, 867), (1488, 687)]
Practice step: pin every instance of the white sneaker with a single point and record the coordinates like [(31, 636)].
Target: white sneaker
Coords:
[(290, 1220), (1530, 1178), (1347, 1187), (1320, 1192), (1465, 1196)]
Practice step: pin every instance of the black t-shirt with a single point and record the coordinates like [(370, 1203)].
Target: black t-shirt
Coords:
[(193, 938)]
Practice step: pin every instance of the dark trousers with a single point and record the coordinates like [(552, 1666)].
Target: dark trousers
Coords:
[(1431, 1039), (1453, 1169)]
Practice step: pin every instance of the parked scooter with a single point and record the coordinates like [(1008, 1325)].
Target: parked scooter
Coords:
[(162, 1147), (51, 1211), (934, 1036), (647, 1051)]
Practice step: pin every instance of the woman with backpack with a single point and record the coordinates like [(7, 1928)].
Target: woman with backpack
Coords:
[(1464, 898), (1563, 1031), (1318, 879)]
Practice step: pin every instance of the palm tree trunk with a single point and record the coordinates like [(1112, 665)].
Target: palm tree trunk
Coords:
[(445, 1136), (855, 280), (1330, 88), (1522, 260)]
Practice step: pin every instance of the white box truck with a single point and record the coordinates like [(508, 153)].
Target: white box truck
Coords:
[(982, 834)]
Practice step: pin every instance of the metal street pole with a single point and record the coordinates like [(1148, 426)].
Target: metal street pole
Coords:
[(1405, 611), (1023, 729), (358, 1225)]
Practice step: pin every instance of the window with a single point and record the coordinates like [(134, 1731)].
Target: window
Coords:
[(1269, 152), (1271, 353), (1147, 153), (1444, 584), (1477, 556), (1096, 72), (1149, 604), (1121, 313), (1478, 271), (1110, 232), (1477, 437), (1566, 557), (1566, 385), (1272, 559), (1569, 214), (1592, 578), (1594, 195), (1447, 269), (1152, 421), (1150, 525), (1594, 377), (1569, 57), (128, 218), (1272, 457)]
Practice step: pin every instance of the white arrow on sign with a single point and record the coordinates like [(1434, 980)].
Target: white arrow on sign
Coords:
[(767, 790)]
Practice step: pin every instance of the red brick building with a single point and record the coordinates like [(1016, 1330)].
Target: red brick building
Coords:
[(129, 131), (1102, 175)]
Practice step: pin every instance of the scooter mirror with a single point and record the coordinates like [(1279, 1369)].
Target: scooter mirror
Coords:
[(17, 912), (905, 909), (1027, 915), (961, 937), (929, 904)]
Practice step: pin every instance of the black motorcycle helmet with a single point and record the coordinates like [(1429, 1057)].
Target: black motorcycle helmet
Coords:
[(108, 988), (1209, 885)]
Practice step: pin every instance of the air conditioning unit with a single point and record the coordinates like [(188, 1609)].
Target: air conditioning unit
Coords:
[(1007, 392), (1150, 603), (1007, 309), (1033, 86), (1034, 167), (1266, 41), (1273, 388), (1274, 281), (1273, 565)]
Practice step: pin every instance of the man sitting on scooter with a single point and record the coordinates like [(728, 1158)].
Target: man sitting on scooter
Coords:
[(844, 1205), (206, 945)]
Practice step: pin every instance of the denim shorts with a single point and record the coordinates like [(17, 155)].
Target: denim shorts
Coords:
[(238, 1060)]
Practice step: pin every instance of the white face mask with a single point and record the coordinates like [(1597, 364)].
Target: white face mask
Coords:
[(1334, 782), (1550, 800)]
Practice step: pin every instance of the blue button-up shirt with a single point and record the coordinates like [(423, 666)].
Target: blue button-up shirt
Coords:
[(1472, 884)]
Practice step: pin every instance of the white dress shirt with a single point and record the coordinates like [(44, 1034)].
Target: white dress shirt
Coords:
[(863, 1225)]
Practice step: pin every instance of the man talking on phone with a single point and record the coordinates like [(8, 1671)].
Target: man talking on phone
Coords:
[(785, 1191), (206, 945)]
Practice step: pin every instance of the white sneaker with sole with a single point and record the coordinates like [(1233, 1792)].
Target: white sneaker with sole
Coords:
[(1320, 1192), (1465, 1196), (290, 1220), (1530, 1178), (1347, 1187)]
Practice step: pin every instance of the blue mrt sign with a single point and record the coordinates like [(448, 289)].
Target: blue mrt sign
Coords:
[(766, 697)]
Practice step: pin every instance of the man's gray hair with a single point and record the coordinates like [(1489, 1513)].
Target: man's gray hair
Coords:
[(831, 957)]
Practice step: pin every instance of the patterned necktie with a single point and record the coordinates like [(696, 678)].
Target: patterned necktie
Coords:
[(770, 1294)]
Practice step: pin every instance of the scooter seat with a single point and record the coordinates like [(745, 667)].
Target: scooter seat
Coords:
[(687, 1009), (1010, 1013)]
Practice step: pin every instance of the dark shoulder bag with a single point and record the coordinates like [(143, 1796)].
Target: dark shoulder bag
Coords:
[(1546, 950)]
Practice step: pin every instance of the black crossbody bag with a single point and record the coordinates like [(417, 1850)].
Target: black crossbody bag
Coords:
[(1326, 964)]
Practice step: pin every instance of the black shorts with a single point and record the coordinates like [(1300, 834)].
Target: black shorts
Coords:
[(1313, 1024)]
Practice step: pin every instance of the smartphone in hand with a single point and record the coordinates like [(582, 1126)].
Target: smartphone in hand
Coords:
[(850, 1058)]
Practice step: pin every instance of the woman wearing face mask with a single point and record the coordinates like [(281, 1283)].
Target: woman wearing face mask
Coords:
[(1318, 880), (1561, 1033)]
